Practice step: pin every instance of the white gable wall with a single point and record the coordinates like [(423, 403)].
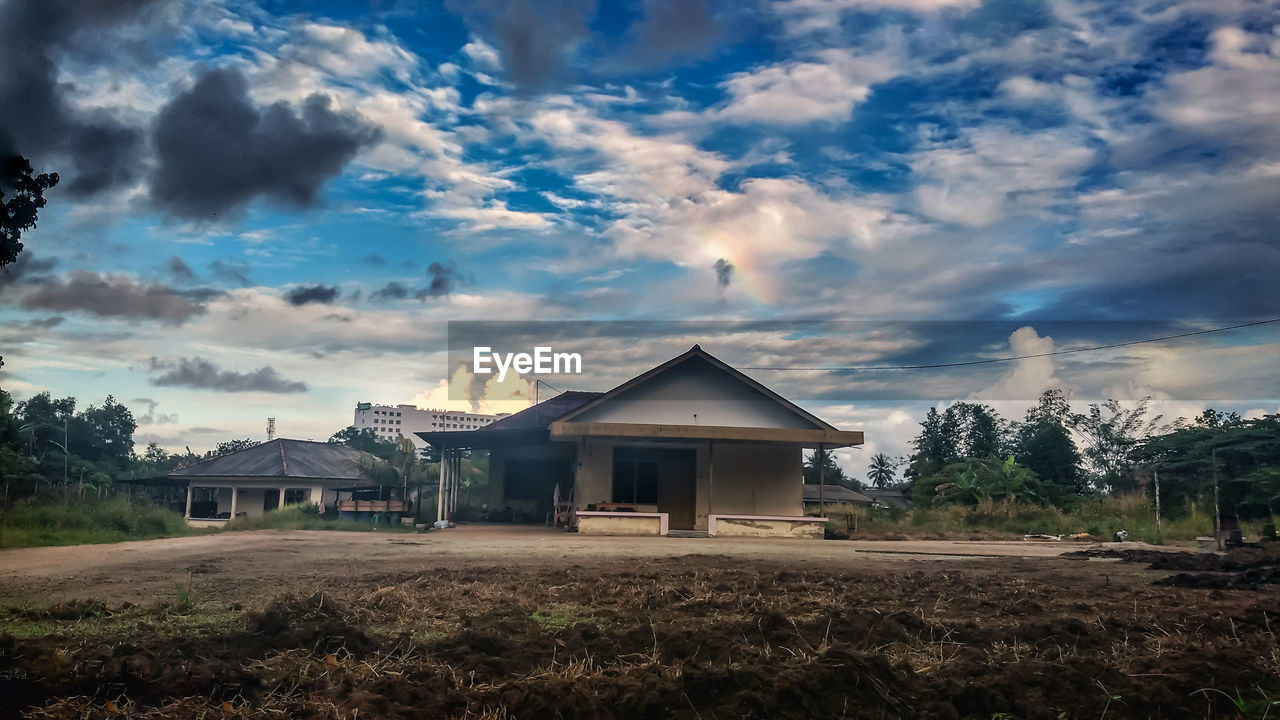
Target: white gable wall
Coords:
[(695, 388)]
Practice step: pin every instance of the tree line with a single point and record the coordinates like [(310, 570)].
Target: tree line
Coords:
[(968, 453)]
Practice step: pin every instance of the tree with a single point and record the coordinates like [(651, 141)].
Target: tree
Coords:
[(832, 473), (1112, 435), (365, 440), (18, 214), (935, 446), (883, 471), (992, 478), (231, 446), (1044, 445)]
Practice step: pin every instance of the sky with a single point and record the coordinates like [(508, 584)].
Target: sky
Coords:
[(276, 209)]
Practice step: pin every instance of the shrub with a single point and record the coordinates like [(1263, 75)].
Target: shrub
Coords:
[(30, 524)]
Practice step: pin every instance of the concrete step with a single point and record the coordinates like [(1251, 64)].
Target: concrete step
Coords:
[(687, 533)]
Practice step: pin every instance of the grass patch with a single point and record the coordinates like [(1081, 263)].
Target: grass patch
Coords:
[(95, 623), (81, 522), (304, 517), (556, 619), (1100, 517)]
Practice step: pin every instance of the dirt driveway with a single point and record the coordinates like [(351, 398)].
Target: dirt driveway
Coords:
[(245, 566)]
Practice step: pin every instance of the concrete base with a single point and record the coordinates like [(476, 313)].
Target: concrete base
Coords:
[(205, 523), (765, 526), (621, 523)]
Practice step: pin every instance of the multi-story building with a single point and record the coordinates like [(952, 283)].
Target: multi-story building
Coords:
[(389, 422)]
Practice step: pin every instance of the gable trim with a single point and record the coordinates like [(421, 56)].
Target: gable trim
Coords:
[(697, 351)]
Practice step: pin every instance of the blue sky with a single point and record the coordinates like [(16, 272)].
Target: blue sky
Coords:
[(275, 208)]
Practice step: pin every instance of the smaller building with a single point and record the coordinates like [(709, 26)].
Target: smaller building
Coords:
[(888, 497), (832, 494), (259, 479), (390, 422)]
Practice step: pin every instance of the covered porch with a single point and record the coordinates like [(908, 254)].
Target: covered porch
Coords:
[(212, 502)]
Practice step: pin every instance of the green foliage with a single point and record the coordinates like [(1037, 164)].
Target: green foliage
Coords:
[(1113, 437), (1100, 516), (882, 472), (973, 481), (19, 213), (366, 440), (303, 516), (832, 473), (29, 523), (231, 446)]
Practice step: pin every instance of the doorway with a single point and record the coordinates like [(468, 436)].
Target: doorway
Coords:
[(665, 477)]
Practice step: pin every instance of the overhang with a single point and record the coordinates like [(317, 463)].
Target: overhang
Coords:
[(781, 436), (485, 439)]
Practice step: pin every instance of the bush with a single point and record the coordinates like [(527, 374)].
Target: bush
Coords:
[(303, 516), (1097, 515), (31, 524)]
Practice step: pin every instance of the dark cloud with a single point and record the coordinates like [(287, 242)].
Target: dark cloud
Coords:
[(375, 259), (204, 375), (216, 152), (724, 273), (95, 150), (236, 271), (392, 291), (672, 29), (116, 296), (535, 37), (304, 294), (444, 276), (45, 323), (151, 417), (180, 270), (27, 268)]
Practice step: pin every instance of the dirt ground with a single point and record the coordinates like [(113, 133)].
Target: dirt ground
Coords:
[(492, 622)]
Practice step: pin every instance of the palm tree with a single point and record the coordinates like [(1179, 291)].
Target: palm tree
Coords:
[(883, 471)]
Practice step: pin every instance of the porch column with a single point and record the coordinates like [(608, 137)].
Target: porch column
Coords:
[(711, 472), (444, 471), (234, 492), (822, 493), (187, 515), (280, 503)]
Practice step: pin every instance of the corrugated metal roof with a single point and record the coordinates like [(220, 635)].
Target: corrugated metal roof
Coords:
[(835, 494), (545, 412), (282, 457)]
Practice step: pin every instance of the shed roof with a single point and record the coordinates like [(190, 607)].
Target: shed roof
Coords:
[(835, 494), (282, 457)]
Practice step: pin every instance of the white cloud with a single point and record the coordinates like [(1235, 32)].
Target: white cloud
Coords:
[(825, 89)]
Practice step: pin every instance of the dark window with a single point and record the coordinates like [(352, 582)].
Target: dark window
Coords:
[(635, 475), (295, 496)]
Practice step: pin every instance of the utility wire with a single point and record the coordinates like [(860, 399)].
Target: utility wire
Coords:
[(1023, 357)]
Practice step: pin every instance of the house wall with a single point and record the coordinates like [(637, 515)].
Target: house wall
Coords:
[(746, 479)]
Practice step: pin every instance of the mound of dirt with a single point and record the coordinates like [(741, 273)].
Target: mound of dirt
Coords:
[(1240, 569)]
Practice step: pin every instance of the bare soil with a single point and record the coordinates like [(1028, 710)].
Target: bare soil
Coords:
[(486, 623)]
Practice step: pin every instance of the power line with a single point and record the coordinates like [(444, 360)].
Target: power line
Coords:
[(1023, 357)]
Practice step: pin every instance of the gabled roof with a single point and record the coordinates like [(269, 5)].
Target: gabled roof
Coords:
[(696, 352), (834, 494), (281, 457), (544, 413)]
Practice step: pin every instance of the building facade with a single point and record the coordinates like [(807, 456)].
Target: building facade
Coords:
[(389, 422)]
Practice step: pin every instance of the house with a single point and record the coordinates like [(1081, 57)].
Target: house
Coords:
[(250, 482), (833, 494), (888, 497), (692, 446)]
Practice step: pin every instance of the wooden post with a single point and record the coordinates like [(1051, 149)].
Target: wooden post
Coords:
[(1217, 514), (187, 515), (822, 481), (1159, 532), (444, 469)]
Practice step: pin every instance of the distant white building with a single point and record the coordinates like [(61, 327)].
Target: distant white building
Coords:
[(389, 422)]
